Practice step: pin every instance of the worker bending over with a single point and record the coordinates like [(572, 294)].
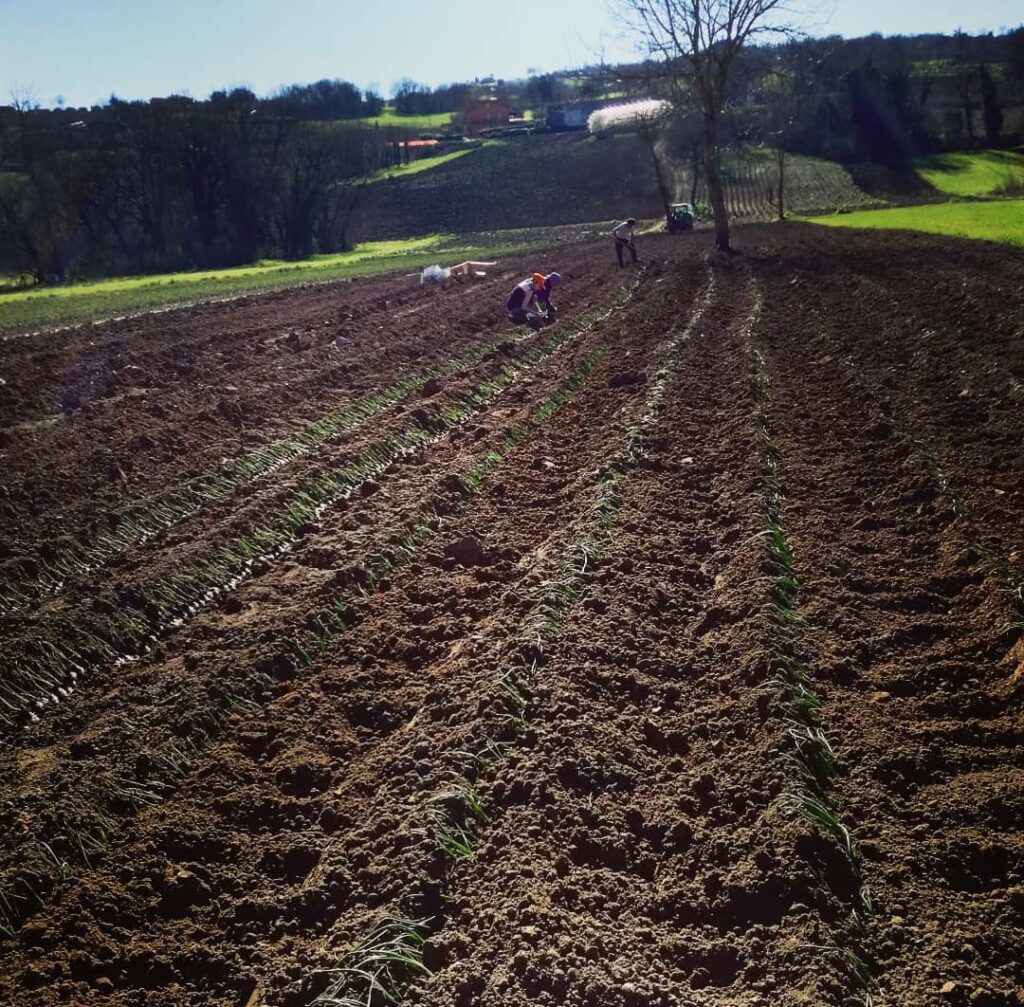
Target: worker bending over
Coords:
[(624, 239), (530, 301)]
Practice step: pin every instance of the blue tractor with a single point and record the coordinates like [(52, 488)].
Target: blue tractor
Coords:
[(680, 218)]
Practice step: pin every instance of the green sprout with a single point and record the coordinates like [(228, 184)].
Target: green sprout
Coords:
[(377, 967)]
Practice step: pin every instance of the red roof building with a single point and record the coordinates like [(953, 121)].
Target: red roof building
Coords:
[(486, 114)]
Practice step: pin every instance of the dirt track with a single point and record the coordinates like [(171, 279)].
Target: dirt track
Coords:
[(696, 618)]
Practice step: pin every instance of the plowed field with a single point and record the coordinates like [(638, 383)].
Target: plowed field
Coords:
[(358, 648)]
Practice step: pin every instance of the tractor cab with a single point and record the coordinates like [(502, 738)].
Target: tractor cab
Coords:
[(680, 218)]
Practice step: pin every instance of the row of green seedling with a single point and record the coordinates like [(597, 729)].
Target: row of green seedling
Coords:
[(25, 890), (343, 611), (142, 521), (452, 817), (454, 829), (590, 538), (378, 968), (811, 755), (30, 684), (664, 377), (340, 613)]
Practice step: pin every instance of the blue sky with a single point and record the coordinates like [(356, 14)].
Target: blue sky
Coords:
[(87, 51)]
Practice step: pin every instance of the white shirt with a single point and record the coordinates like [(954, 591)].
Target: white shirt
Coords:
[(529, 294), (624, 231)]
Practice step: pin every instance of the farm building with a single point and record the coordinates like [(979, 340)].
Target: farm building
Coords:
[(486, 114), (572, 115)]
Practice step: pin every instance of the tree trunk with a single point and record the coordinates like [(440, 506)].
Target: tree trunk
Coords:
[(712, 175), (666, 198), (782, 183), (696, 174), (963, 88)]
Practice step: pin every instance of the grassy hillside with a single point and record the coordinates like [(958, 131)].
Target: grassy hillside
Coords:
[(1002, 220), (389, 117), (420, 164), (975, 173), (44, 307)]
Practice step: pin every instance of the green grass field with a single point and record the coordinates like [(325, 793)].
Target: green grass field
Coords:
[(975, 173), (39, 308), (423, 164), (1000, 220), (950, 68), (389, 117)]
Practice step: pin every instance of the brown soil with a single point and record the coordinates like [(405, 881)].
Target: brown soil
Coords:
[(570, 582)]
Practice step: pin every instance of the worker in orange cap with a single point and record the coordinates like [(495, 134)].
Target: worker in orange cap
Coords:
[(530, 301)]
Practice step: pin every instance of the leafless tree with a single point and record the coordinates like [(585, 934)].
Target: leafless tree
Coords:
[(649, 127), (698, 41), (779, 106), (963, 81)]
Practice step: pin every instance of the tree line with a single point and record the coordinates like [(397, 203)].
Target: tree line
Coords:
[(874, 99), (739, 72), (890, 100), (137, 187), (410, 98)]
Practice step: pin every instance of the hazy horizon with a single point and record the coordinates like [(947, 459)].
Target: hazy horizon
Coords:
[(195, 48)]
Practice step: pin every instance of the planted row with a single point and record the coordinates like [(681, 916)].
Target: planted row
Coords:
[(391, 954), (811, 755), (73, 842), (340, 612), (142, 521)]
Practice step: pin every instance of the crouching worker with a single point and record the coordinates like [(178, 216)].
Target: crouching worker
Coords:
[(530, 301)]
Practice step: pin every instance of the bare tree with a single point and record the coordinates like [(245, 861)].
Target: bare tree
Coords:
[(698, 41), (650, 127), (34, 213), (779, 101), (963, 81)]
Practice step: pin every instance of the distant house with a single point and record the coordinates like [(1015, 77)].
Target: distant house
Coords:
[(486, 114), (572, 115), (412, 150)]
